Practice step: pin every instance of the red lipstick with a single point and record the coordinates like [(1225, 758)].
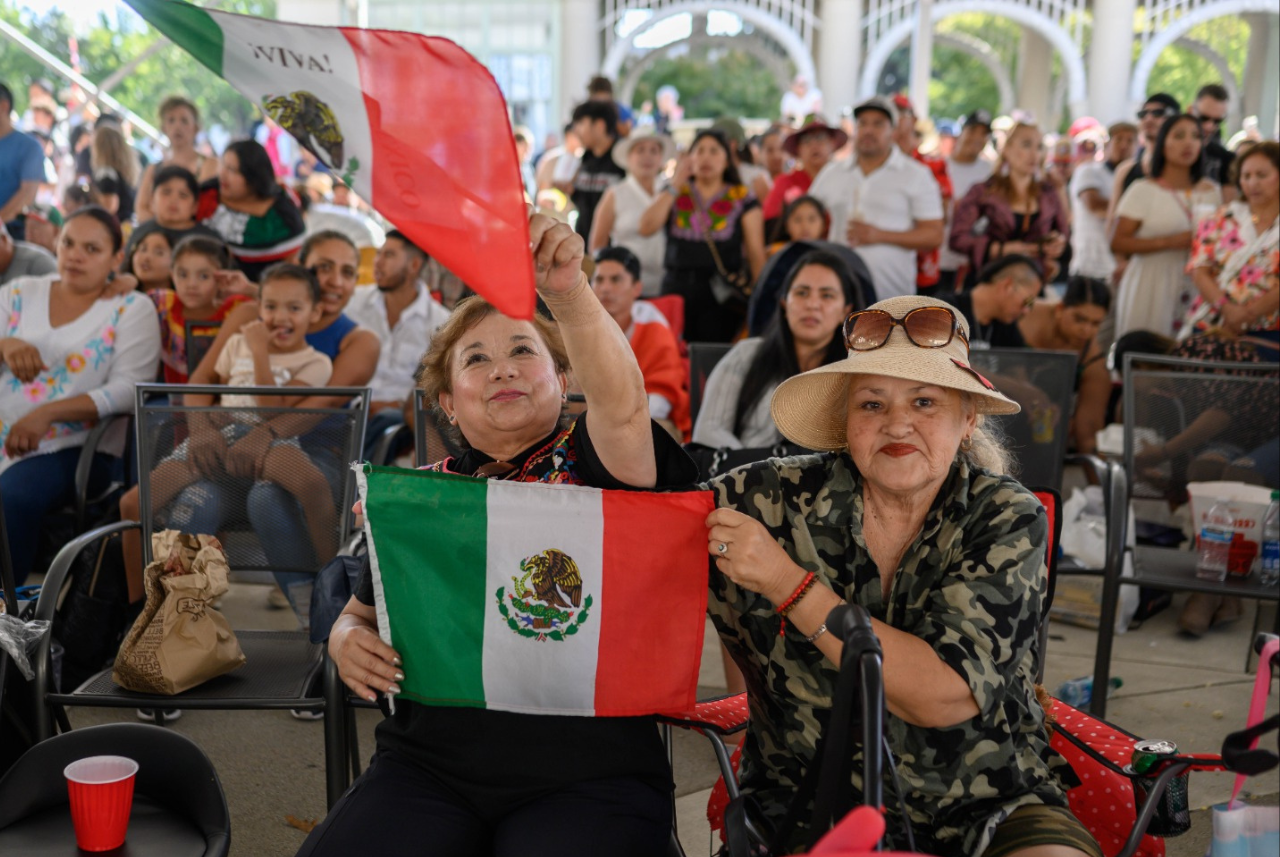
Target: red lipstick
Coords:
[(897, 450)]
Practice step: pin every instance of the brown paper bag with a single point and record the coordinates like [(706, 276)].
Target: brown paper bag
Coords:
[(178, 641)]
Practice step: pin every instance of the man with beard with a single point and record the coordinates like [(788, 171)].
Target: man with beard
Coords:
[(401, 311)]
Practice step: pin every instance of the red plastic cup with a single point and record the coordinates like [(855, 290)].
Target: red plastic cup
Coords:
[(101, 793)]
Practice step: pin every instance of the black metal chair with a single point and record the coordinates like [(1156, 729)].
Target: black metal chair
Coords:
[(179, 808), (282, 668), (430, 443), (703, 357), (199, 338)]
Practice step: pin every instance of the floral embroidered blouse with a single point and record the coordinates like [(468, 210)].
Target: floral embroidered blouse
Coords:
[(1218, 241), (693, 219), (114, 345)]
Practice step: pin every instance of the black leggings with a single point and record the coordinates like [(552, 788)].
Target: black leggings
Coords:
[(397, 809)]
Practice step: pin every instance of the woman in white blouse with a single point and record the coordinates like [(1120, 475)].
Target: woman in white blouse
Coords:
[(643, 155), (71, 352), (804, 334)]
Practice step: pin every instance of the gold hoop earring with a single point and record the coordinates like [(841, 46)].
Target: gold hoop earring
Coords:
[(966, 444)]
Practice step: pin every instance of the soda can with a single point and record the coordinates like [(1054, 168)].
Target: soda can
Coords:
[(1147, 754)]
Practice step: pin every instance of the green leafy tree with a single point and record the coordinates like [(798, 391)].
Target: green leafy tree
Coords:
[(732, 83), (107, 45)]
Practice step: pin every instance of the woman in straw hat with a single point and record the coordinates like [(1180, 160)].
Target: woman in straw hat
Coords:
[(910, 514)]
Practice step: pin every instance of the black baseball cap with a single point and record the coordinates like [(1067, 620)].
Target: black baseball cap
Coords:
[(979, 117), (1166, 99)]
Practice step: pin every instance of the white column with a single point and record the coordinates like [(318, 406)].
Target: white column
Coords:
[(839, 55), (1110, 61), (579, 52), (1269, 109), (922, 57), (1035, 75), (1254, 63)]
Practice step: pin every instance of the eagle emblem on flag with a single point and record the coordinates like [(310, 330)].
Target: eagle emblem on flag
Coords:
[(311, 122), (543, 601)]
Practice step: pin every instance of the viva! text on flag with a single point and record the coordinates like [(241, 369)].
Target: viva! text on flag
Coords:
[(413, 123), (546, 599)]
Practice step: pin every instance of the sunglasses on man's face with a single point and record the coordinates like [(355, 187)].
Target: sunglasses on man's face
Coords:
[(1154, 111), (926, 327), (1217, 122)]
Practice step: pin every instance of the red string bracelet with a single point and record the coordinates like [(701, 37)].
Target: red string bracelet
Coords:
[(786, 606)]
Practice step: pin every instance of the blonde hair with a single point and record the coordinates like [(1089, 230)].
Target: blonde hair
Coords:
[(986, 445), (1000, 181), (435, 372), (110, 149)]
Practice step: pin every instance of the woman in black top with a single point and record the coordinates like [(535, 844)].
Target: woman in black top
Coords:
[(455, 781)]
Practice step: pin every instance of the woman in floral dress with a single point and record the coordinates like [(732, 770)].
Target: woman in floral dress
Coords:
[(1235, 259), (714, 226)]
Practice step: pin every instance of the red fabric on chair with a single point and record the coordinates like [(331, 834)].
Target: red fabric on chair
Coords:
[(719, 799), (724, 714), (672, 307)]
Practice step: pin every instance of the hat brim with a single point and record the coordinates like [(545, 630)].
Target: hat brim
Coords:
[(622, 148), (811, 409), (791, 145)]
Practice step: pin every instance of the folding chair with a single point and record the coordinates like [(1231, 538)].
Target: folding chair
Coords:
[(703, 357), (199, 338), (178, 803), (283, 668), (431, 444)]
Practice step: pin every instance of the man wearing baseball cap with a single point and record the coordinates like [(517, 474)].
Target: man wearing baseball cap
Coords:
[(966, 167), (812, 147), (882, 203), (1155, 110)]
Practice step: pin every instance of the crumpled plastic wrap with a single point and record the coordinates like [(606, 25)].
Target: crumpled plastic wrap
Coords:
[(19, 639)]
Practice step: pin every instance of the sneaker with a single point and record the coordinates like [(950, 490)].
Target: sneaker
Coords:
[(306, 714), (167, 715), (277, 600)]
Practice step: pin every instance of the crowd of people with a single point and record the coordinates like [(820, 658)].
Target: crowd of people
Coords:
[(872, 255)]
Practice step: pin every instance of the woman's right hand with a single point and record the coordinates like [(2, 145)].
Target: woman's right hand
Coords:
[(207, 448), (22, 358), (1179, 241), (683, 173), (366, 664)]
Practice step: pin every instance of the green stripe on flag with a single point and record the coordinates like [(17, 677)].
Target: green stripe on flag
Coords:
[(189, 27), (446, 527)]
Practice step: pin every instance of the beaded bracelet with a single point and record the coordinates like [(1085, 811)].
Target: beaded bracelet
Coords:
[(786, 606)]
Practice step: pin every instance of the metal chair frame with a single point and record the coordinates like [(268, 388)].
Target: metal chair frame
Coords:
[(703, 357), (302, 663)]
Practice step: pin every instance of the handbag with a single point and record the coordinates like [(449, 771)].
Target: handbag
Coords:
[(1240, 830), (179, 641), (93, 613), (727, 288)]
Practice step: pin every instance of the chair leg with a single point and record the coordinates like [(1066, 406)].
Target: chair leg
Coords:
[(335, 723), (353, 742)]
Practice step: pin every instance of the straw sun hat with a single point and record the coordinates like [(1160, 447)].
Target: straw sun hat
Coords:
[(622, 148), (810, 409)]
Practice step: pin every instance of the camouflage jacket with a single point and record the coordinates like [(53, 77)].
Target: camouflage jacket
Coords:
[(971, 585)]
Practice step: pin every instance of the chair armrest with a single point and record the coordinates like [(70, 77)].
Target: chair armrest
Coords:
[(389, 439), (85, 462), (724, 715)]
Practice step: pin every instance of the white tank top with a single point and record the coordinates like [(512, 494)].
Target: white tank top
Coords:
[(630, 201)]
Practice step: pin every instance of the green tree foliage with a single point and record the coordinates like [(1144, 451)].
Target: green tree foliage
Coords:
[(730, 83), (107, 45), (1181, 72)]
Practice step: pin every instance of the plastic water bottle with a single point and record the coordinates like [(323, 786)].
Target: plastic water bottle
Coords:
[(1215, 542), (1269, 571), (1078, 692)]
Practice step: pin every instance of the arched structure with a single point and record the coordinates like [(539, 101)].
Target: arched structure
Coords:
[(1225, 75), (1055, 34), (1170, 20), (630, 79), (983, 53), (785, 36)]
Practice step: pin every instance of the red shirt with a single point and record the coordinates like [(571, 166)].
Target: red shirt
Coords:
[(787, 188), (927, 260)]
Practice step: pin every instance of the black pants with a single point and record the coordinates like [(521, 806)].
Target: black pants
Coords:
[(397, 809), (705, 318)]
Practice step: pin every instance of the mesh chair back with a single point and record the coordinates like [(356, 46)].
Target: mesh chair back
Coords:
[(1043, 383), (274, 484), (431, 442), (703, 357), (1223, 420), (200, 336)]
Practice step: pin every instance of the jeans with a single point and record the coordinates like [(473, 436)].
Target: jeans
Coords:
[(38, 485)]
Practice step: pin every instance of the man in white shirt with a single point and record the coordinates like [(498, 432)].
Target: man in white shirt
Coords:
[(400, 310), (1090, 191), (883, 204), (966, 167)]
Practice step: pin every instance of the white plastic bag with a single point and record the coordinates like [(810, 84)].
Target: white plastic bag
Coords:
[(1078, 599)]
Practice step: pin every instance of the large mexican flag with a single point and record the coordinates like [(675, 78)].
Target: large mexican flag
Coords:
[(545, 599), (414, 124)]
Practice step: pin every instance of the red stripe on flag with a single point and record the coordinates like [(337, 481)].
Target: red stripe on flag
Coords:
[(445, 168), (654, 603)]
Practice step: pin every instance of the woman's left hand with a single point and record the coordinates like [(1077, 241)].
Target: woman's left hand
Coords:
[(557, 254), (245, 458), (751, 558), (1235, 317), (25, 435)]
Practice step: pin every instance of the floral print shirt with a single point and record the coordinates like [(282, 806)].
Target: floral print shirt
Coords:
[(112, 346), (694, 219), (1218, 239)]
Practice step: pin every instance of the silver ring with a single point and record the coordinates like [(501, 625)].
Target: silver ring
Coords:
[(722, 548)]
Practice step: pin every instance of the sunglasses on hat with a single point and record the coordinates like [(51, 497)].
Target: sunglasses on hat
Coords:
[(926, 327)]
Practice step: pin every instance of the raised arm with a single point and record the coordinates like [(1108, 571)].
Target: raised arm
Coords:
[(599, 353), (142, 201)]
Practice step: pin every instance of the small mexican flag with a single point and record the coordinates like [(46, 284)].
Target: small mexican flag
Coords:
[(546, 599), (414, 124)]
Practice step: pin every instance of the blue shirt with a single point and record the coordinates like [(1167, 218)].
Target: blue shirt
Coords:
[(21, 160), (329, 341)]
